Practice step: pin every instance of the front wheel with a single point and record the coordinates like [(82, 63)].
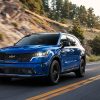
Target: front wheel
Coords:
[(54, 73), (81, 71)]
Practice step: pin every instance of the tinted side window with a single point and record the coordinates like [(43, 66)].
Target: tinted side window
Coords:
[(63, 37)]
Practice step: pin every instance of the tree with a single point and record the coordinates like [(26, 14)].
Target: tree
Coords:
[(52, 13), (61, 10), (82, 15), (53, 5), (77, 31), (59, 7), (97, 22), (65, 9), (73, 11), (56, 9), (90, 18), (34, 5), (95, 44), (46, 5)]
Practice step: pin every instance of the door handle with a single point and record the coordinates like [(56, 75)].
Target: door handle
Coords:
[(63, 52)]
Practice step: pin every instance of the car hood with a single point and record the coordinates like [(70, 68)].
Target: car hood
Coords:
[(27, 49)]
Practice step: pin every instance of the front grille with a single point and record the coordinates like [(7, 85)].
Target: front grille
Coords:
[(18, 57), (22, 71)]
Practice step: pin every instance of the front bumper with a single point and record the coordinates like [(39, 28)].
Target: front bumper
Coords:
[(23, 69)]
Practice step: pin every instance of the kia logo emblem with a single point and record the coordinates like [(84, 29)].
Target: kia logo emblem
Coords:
[(12, 56)]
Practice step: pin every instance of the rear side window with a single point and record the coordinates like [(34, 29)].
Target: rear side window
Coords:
[(73, 41)]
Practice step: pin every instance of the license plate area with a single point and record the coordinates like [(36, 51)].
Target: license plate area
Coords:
[(22, 71)]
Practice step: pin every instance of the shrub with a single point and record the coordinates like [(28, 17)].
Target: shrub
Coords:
[(93, 58), (15, 24), (88, 48), (78, 32), (64, 21), (95, 44)]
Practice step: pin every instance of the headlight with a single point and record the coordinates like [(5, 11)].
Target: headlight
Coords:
[(40, 54)]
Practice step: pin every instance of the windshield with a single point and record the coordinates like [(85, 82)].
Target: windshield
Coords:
[(39, 39)]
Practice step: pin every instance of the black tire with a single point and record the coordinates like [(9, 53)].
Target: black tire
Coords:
[(54, 73), (81, 71)]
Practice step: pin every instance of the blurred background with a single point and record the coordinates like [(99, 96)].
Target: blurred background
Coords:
[(79, 17)]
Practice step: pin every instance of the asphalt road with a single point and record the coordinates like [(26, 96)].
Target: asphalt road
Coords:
[(69, 88)]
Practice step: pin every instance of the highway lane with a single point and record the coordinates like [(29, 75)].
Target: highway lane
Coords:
[(21, 89)]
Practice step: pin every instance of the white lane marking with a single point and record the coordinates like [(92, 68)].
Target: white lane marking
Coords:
[(90, 69)]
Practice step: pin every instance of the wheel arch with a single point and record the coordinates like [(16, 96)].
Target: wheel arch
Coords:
[(57, 59), (84, 58)]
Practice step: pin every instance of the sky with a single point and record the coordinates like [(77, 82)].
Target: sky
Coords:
[(89, 3)]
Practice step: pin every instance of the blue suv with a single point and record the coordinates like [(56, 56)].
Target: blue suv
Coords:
[(43, 54)]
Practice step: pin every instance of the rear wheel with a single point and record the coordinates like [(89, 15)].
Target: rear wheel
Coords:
[(81, 71), (54, 73)]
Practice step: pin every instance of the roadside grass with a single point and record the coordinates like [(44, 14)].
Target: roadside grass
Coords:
[(93, 58)]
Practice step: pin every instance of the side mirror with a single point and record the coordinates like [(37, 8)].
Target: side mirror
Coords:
[(65, 43)]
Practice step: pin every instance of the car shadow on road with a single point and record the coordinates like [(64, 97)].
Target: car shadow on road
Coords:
[(37, 82)]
